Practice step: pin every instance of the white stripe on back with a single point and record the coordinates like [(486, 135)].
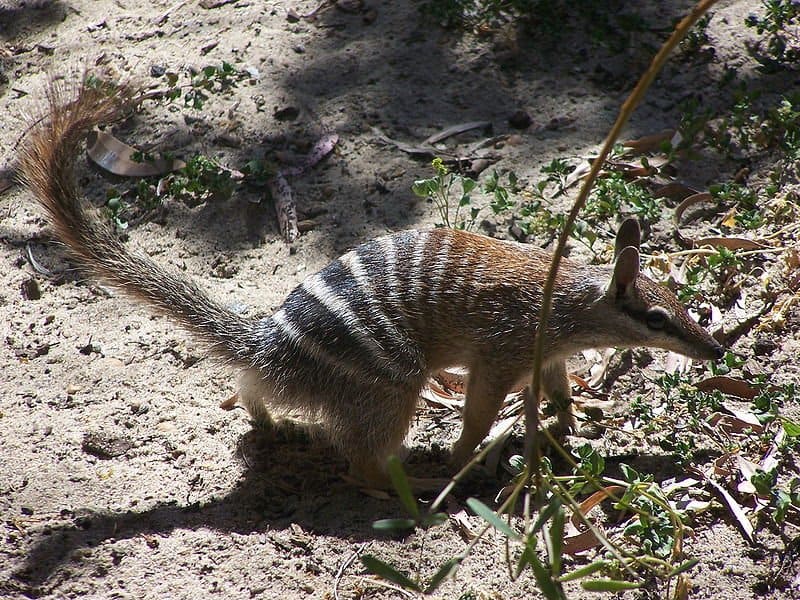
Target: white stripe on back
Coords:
[(356, 269), (319, 289), (310, 346), (437, 274)]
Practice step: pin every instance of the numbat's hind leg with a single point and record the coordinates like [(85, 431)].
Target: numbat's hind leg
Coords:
[(373, 428), (253, 394)]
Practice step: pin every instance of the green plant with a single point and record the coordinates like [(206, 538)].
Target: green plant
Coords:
[(535, 219), (200, 180), (783, 123), (259, 171), (115, 206), (642, 409), (716, 274), (613, 195), (654, 531), (728, 363), (680, 395), (782, 499), (211, 80), (613, 29), (557, 172), (693, 121), (697, 39), (439, 190), (501, 200), (417, 520), (743, 201), (452, 193), (779, 23)]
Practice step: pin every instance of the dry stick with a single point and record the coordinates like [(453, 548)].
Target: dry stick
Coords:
[(343, 567), (532, 449)]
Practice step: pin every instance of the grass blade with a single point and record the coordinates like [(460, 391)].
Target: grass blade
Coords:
[(382, 569), (480, 509), (401, 486)]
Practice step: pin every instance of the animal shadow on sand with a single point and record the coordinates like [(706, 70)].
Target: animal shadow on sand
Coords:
[(283, 482)]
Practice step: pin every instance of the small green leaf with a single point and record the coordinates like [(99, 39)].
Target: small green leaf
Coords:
[(557, 541), (480, 509), (394, 525), (764, 481), (550, 587), (546, 514), (433, 519), (629, 474), (684, 566), (424, 187), (584, 571), (791, 428), (608, 585), (448, 568), (401, 486), (467, 185), (380, 568)]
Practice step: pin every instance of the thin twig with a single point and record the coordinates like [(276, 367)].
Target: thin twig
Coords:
[(343, 567), (532, 416)]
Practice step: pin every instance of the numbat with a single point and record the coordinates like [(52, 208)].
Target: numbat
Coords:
[(353, 344)]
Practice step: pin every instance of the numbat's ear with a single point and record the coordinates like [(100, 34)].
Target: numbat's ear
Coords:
[(629, 234), (626, 269)]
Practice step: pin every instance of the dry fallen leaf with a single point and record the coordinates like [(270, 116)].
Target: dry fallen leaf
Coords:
[(729, 386), (459, 517), (117, 158), (586, 539), (737, 510), (734, 425), (674, 191), (281, 191), (440, 398), (453, 379), (731, 243), (230, 403), (650, 143)]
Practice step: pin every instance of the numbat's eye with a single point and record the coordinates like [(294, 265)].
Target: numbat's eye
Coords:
[(656, 318)]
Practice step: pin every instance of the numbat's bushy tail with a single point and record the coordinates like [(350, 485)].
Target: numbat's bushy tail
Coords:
[(354, 343), (47, 165)]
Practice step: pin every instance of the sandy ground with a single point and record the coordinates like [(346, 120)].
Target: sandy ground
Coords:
[(119, 475)]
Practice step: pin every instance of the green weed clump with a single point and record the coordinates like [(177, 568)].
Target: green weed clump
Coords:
[(779, 22), (451, 194)]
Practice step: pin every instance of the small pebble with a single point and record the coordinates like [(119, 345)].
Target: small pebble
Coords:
[(30, 289), (520, 120)]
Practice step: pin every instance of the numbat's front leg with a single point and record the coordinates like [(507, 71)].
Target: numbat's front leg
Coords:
[(556, 388), (487, 387)]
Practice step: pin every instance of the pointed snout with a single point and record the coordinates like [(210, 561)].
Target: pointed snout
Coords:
[(713, 351), (705, 348)]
